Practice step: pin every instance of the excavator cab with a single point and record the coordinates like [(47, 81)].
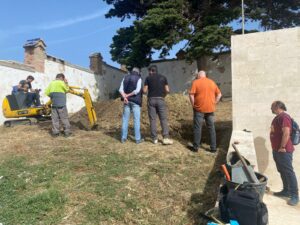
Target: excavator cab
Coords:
[(14, 107)]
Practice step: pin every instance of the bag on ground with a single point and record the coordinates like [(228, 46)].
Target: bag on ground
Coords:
[(244, 206)]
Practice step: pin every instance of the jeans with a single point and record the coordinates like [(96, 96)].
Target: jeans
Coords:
[(32, 98), (157, 106), (136, 110), (198, 121), (283, 161)]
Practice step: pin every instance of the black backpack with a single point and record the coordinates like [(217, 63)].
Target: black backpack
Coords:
[(243, 206), (295, 134)]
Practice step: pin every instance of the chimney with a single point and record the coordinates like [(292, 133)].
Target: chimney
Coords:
[(96, 63), (35, 54)]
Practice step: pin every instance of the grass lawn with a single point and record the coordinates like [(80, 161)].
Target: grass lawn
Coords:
[(91, 178)]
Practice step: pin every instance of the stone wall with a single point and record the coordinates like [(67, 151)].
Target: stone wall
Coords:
[(265, 67), (180, 74)]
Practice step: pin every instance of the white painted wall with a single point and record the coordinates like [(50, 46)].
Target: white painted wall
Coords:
[(99, 86)]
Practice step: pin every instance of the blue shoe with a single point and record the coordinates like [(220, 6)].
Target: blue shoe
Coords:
[(283, 193), (140, 141), (293, 201)]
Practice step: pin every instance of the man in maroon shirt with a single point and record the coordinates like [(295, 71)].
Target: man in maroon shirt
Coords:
[(283, 152)]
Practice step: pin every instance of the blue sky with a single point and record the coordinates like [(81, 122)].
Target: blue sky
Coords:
[(71, 29)]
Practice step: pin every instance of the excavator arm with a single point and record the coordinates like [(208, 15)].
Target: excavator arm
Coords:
[(84, 93)]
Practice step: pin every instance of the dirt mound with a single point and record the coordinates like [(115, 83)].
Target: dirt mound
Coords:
[(109, 113), (180, 115)]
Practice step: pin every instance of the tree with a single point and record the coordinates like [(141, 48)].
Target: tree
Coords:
[(204, 24)]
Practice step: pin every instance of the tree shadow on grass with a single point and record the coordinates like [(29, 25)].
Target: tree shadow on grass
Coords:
[(201, 202)]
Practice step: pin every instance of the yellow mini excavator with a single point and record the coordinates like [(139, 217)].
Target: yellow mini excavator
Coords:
[(14, 108)]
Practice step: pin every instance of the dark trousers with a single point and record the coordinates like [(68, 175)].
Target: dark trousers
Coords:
[(32, 98), (198, 122), (60, 113), (284, 165), (157, 106)]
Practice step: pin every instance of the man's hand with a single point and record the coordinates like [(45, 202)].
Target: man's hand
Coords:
[(282, 149)]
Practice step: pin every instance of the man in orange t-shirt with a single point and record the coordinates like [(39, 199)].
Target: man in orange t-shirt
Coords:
[(204, 95)]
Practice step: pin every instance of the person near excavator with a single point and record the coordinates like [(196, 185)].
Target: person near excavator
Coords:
[(57, 90), (156, 86), (130, 90)]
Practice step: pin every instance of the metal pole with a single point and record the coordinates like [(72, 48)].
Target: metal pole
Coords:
[(243, 18)]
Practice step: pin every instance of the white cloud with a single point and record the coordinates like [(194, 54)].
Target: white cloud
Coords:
[(54, 24)]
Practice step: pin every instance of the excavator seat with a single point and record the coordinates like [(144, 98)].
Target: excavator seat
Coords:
[(17, 101)]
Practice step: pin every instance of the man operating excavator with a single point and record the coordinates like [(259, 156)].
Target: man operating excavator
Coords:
[(57, 90)]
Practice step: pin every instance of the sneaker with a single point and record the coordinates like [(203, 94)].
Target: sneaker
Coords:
[(123, 140), (192, 148), (293, 201), (282, 193), (167, 141), (154, 141), (140, 141)]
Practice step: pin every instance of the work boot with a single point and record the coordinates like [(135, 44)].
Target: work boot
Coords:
[(191, 147), (293, 201), (66, 135), (167, 141), (283, 193), (54, 135)]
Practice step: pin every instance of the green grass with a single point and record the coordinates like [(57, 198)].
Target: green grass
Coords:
[(27, 195), (99, 185)]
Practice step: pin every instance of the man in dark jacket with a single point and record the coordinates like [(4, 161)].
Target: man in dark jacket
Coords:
[(131, 93)]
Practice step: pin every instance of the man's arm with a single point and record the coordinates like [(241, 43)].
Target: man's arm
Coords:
[(218, 97), (284, 139), (47, 91), (167, 89), (145, 89), (192, 99)]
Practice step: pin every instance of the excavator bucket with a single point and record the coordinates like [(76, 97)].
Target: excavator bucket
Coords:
[(88, 104), (90, 109)]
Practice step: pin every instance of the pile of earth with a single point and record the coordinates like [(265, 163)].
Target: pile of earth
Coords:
[(180, 116)]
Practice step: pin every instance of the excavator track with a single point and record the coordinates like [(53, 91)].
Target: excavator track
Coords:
[(11, 123)]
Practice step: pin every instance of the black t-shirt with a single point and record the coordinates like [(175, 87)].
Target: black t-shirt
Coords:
[(29, 85), (156, 85), (23, 82)]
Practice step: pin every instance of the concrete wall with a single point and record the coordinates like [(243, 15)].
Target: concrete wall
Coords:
[(180, 73), (100, 86), (265, 67)]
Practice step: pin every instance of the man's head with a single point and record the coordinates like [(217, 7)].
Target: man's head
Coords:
[(30, 78), (136, 70), (152, 69), (278, 107), (60, 76), (201, 74)]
